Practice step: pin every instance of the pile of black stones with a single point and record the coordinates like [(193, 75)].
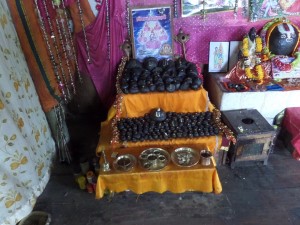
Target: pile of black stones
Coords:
[(236, 87), (173, 125), (164, 75)]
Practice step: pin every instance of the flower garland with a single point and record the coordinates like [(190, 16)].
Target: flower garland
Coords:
[(258, 68), (280, 63), (282, 66)]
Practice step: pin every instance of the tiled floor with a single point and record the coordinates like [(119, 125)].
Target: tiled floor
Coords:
[(252, 195)]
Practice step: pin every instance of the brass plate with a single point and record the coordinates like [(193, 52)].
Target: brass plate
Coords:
[(154, 159), (124, 163), (185, 157)]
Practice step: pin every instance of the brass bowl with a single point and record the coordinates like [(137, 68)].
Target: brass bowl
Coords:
[(124, 163), (185, 157)]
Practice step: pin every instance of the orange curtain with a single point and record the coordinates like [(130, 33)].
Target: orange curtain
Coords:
[(36, 53)]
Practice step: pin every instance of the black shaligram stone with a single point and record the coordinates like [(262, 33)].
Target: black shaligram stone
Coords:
[(164, 75), (174, 125)]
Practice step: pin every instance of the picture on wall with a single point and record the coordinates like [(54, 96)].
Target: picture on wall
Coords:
[(196, 7), (218, 57), (234, 50), (266, 9), (151, 30)]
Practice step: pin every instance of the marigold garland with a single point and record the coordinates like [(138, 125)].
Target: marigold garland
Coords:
[(245, 48), (259, 46), (260, 73), (258, 68)]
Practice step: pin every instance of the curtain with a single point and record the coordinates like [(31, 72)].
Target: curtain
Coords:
[(34, 48), (104, 57), (26, 145)]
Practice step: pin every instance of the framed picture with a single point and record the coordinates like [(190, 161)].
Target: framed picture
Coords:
[(218, 57), (234, 49), (266, 9), (196, 7), (151, 29)]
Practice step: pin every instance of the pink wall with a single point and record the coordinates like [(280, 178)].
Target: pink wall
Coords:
[(217, 27)]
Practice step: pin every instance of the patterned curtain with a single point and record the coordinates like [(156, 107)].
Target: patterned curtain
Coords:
[(26, 145)]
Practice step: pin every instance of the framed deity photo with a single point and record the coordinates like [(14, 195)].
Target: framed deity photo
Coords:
[(266, 9), (218, 57), (151, 32), (197, 7), (234, 49)]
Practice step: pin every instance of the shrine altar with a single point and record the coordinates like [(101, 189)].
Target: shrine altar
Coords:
[(173, 177), (268, 103)]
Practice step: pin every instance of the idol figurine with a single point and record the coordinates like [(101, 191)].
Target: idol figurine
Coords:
[(250, 67), (251, 52), (280, 37), (281, 45)]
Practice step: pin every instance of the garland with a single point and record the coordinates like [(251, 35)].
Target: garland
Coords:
[(118, 103), (222, 127), (259, 72), (286, 66)]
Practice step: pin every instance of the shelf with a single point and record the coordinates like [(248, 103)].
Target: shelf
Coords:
[(172, 178)]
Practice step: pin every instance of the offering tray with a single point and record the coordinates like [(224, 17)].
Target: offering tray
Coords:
[(154, 159), (124, 163), (185, 157)]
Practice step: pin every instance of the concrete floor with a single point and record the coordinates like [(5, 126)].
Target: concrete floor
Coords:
[(252, 195)]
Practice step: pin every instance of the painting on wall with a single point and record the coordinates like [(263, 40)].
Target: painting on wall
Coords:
[(234, 50), (218, 57), (266, 9), (198, 7), (151, 29)]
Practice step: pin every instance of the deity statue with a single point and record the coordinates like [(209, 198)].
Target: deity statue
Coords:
[(251, 49), (281, 38), (274, 53), (281, 46)]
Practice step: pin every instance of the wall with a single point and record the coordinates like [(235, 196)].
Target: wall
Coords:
[(217, 27)]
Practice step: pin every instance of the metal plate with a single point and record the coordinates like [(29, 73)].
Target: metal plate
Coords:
[(154, 159), (185, 157), (124, 163)]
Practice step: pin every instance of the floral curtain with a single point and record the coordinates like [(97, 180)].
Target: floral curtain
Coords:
[(26, 145)]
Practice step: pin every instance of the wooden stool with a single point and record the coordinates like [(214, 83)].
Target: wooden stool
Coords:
[(253, 133)]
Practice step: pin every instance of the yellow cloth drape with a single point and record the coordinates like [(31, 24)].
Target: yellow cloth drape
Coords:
[(171, 178), (176, 181), (181, 101)]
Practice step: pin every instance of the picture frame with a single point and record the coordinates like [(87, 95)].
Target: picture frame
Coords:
[(234, 50), (151, 32), (268, 9), (218, 57), (197, 7)]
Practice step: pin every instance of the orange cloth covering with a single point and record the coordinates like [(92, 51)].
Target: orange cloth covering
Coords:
[(171, 178), (181, 101), (36, 53)]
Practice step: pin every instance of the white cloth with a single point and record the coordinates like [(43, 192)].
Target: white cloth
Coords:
[(26, 145)]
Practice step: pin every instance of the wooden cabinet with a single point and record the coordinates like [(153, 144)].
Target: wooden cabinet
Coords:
[(253, 133)]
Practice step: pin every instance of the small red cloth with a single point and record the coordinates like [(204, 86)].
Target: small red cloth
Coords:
[(291, 123)]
